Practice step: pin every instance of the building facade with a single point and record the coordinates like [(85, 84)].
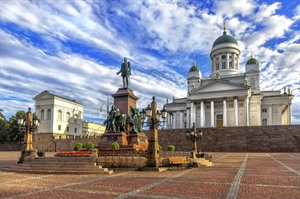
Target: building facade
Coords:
[(228, 97), (58, 115)]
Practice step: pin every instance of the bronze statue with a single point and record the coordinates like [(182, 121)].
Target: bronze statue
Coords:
[(110, 121), (136, 120), (125, 73)]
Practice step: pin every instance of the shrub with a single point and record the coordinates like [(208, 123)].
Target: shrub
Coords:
[(78, 146), (89, 146), (115, 146), (171, 147), (159, 147)]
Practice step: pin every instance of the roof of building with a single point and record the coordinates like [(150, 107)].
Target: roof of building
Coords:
[(252, 61), (47, 92), (224, 38), (194, 68)]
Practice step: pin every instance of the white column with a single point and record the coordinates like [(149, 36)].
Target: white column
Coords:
[(279, 117), (192, 114), (202, 114), (212, 114), (236, 112), (227, 60), (188, 117), (247, 110), (224, 113), (290, 114), (181, 120), (270, 118), (173, 120)]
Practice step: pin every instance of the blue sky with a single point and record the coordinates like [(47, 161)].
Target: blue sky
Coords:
[(74, 48)]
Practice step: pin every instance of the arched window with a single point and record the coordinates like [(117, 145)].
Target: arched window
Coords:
[(67, 116), (59, 115), (42, 114), (49, 114)]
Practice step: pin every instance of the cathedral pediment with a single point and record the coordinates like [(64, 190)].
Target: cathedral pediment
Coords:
[(219, 86), (45, 95)]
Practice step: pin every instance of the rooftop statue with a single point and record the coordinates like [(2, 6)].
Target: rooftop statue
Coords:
[(125, 73)]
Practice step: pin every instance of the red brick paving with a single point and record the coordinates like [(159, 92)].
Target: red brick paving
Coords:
[(235, 175)]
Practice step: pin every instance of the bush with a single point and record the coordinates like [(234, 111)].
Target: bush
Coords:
[(159, 147), (171, 147), (89, 146), (115, 146), (78, 146)]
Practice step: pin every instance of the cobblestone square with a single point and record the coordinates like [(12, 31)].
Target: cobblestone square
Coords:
[(234, 175)]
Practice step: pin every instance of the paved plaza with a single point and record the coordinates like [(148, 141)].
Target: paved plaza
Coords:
[(235, 175)]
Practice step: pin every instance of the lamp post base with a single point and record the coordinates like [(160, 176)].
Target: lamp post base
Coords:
[(27, 155)]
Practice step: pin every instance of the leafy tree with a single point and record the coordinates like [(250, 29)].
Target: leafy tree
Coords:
[(3, 129), (14, 134)]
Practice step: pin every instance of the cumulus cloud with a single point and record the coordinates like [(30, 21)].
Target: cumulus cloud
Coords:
[(75, 48)]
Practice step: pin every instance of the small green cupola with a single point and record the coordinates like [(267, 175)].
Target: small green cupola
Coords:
[(194, 68), (194, 77), (252, 60)]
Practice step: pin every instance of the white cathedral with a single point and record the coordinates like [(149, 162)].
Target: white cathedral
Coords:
[(228, 98)]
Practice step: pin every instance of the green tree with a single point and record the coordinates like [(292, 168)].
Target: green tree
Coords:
[(3, 129), (14, 134)]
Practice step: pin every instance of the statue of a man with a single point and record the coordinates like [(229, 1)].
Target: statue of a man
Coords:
[(125, 73)]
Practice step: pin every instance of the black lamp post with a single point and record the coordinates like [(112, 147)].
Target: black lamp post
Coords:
[(194, 136), (28, 125), (154, 120)]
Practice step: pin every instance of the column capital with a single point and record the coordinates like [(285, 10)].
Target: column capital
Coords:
[(224, 98)]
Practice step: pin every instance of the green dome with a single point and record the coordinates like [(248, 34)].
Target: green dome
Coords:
[(194, 68), (225, 39), (251, 61)]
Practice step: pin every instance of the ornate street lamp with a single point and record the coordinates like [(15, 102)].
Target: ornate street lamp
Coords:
[(107, 104), (28, 125), (194, 136), (154, 120)]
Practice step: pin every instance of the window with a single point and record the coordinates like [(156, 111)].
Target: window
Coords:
[(68, 128), (264, 110), (59, 127), (75, 130), (68, 116), (59, 115), (219, 117), (49, 114), (223, 65), (230, 65), (264, 122), (42, 114), (217, 66)]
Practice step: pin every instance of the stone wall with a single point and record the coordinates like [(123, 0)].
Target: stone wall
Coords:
[(10, 147), (47, 142), (231, 139), (237, 139)]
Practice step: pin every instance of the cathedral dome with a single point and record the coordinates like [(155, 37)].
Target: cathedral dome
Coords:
[(224, 39), (252, 61), (194, 68)]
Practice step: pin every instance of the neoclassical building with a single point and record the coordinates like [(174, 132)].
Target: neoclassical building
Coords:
[(228, 97), (58, 115)]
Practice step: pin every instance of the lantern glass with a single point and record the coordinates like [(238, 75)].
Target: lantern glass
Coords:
[(148, 111), (143, 114), (164, 113), (20, 121)]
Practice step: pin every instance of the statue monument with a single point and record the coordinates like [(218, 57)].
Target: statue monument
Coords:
[(125, 73), (123, 123)]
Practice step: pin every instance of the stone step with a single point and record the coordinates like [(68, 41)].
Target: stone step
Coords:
[(17, 168), (43, 171), (62, 159), (63, 163)]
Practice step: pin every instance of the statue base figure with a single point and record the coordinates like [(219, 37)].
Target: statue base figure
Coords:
[(133, 142)]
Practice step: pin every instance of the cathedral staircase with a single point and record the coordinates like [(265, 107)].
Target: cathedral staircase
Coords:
[(60, 165)]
